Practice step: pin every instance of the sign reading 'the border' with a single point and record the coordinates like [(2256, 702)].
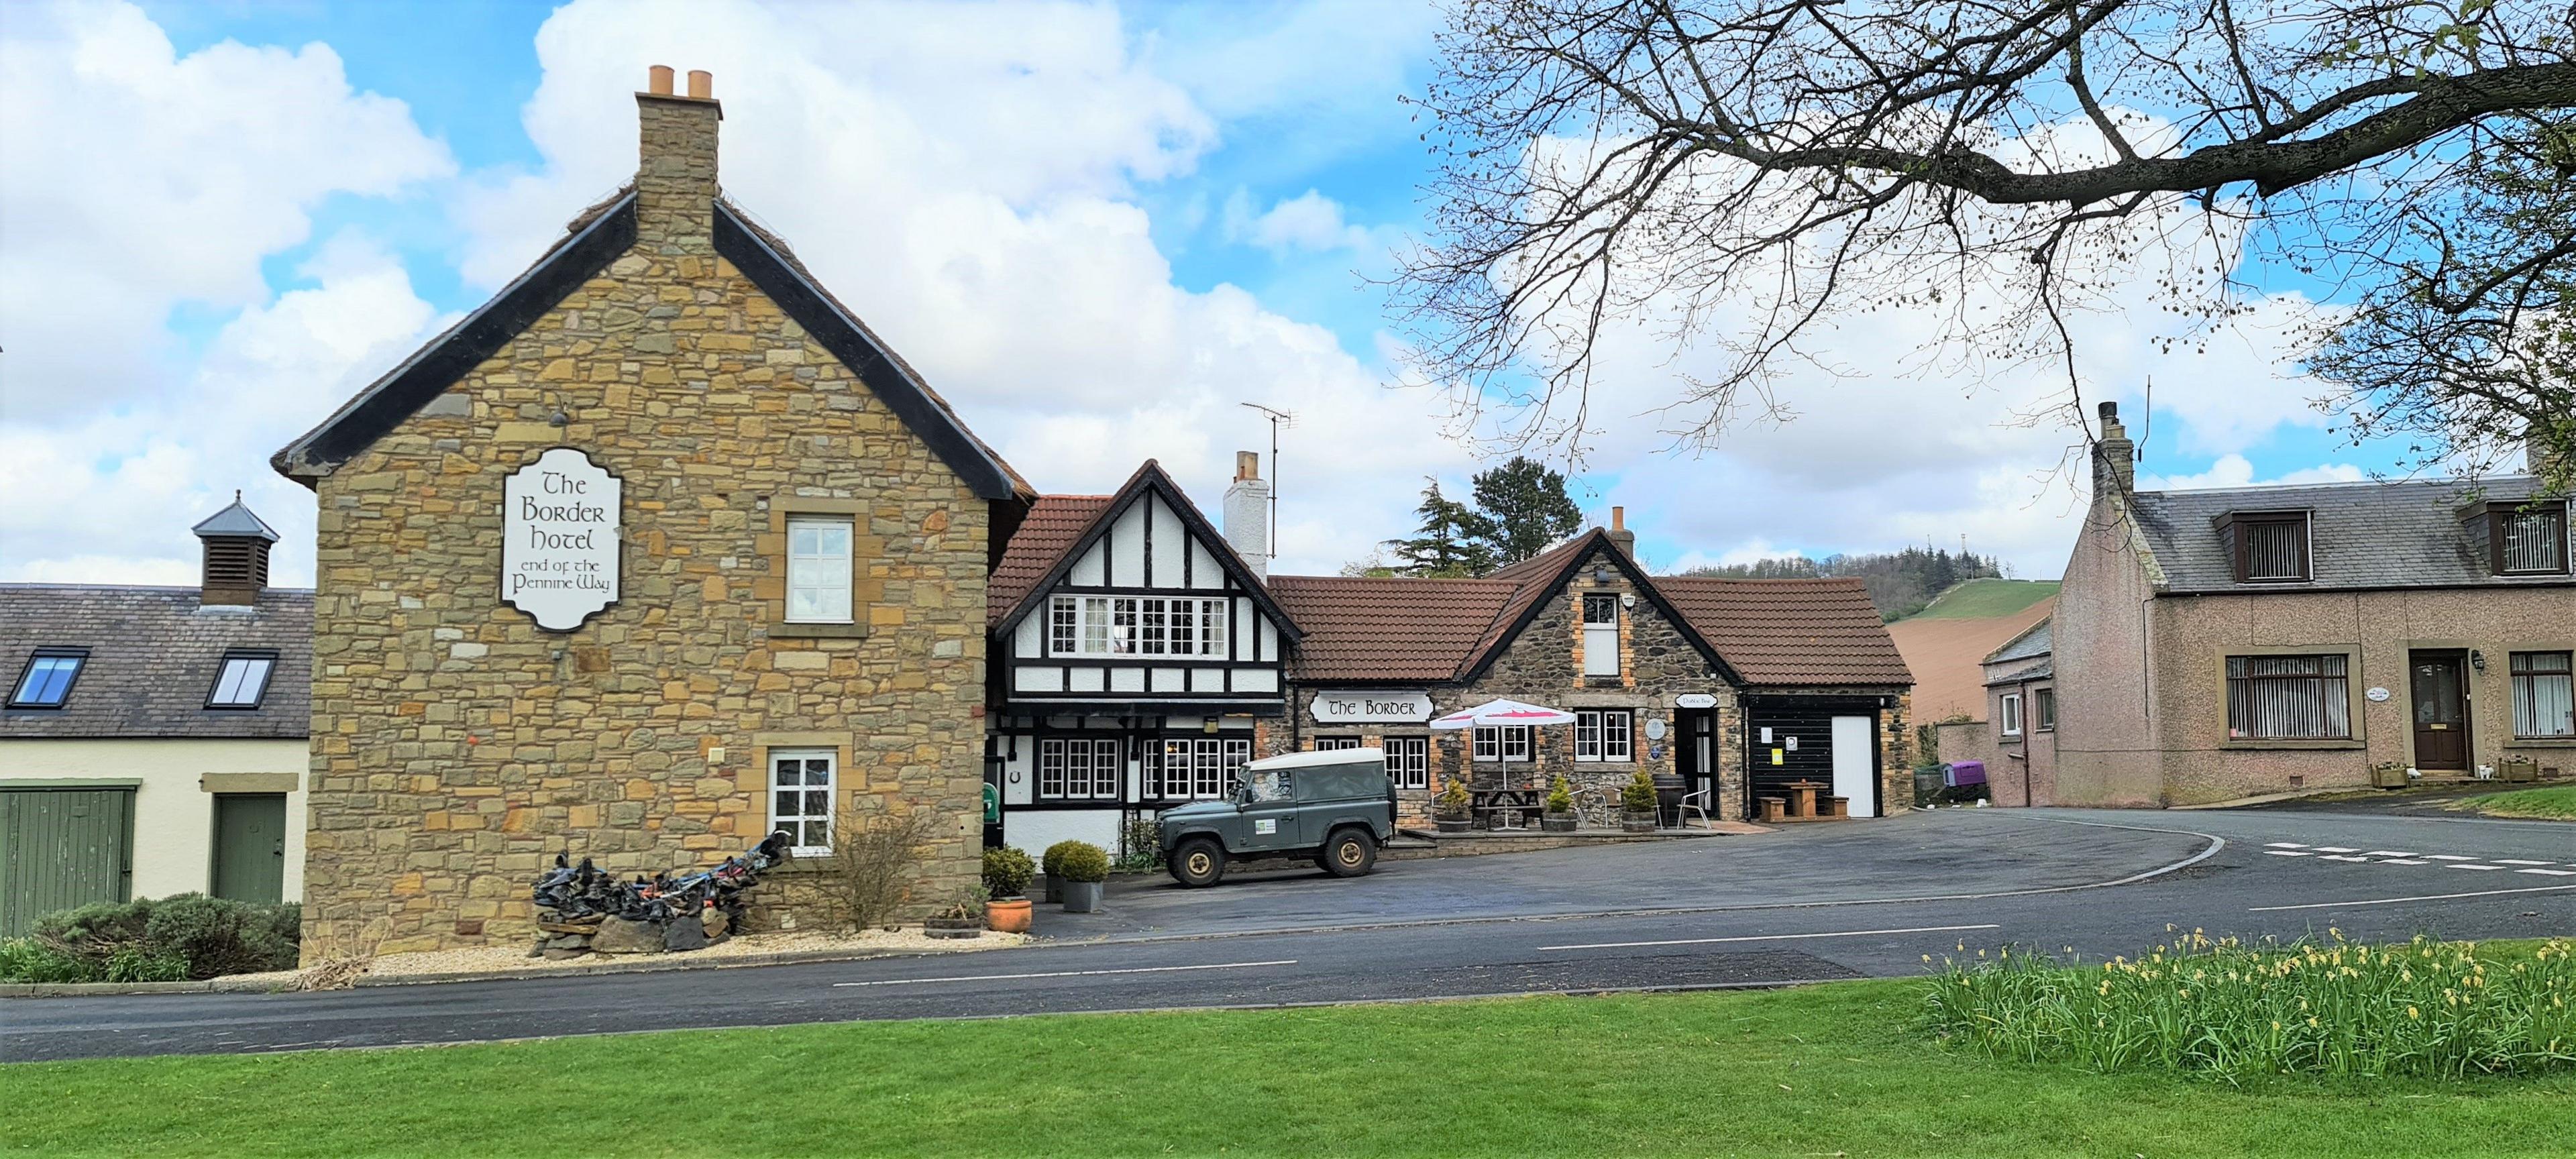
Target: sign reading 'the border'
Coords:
[(1372, 707), (561, 532)]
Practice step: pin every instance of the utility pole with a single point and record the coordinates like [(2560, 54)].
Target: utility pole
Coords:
[(1278, 418)]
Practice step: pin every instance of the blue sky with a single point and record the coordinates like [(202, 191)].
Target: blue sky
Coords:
[(1097, 229)]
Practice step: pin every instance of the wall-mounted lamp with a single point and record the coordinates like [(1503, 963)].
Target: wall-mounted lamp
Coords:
[(2477, 660), (1601, 575), (559, 418)]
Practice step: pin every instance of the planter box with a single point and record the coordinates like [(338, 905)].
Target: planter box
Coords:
[(1636, 822), (1453, 824), (1559, 823), (1082, 897), (953, 927), (1054, 890), (2519, 770), (2388, 777)]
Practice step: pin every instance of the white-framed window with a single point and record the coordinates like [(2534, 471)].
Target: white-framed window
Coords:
[(1600, 634), (1137, 625), (1080, 768), (1201, 768), (241, 681), (2011, 714), (818, 570), (2544, 695), (800, 799), (1507, 744), (1408, 761), (1604, 734), (1329, 744)]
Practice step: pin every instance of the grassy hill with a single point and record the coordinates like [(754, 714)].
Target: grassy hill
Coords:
[(1984, 599)]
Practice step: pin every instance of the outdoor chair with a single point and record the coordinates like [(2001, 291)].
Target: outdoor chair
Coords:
[(1692, 803)]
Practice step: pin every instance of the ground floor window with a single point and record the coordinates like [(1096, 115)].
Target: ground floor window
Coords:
[(1505, 743), (1080, 768), (2544, 694), (2288, 698), (1408, 761), (1201, 768), (1328, 744), (1604, 734), (2011, 714), (2043, 708), (800, 799)]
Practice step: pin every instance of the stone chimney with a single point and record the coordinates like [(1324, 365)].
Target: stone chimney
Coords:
[(1247, 513), (1620, 535), (236, 556), (2115, 458), (675, 178)]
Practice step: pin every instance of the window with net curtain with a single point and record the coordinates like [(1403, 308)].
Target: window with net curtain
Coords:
[(2288, 698), (2544, 695)]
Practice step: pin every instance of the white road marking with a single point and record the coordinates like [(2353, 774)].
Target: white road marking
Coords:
[(2341, 857), (2518, 861), (2336, 849), (2480, 868), (1768, 938), (2398, 900), (2390, 853), (2283, 845), (2550, 872), (2448, 857), (1070, 973), (2404, 861), (2285, 853)]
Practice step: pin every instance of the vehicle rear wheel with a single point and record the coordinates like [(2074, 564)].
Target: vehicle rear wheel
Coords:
[(1348, 853), (1198, 861)]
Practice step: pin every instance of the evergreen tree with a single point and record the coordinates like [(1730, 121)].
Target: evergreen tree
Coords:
[(1453, 540), (1525, 508)]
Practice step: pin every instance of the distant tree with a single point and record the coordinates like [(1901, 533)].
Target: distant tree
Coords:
[(1900, 583), (1453, 540), (1525, 508), (1370, 566)]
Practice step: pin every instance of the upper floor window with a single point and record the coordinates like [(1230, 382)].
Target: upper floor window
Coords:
[(2268, 546), (2043, 708), (2288, 698), (2010, 714), (47, 682), (2529, 540), (242, 681), (1600, 634), (1138, 626), (818, 570), (1505, 743), (2544, 694), (1604, 734)]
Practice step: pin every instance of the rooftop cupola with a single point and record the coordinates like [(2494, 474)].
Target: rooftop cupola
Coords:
[(237, 543)]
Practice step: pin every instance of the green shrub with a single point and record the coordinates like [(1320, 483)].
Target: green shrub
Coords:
[(1638, 795), (1007, 871), (1052, 861), (1084, 862), (1140, 845), (1453, 800), (184, 936), (2232, 1011), (1560, 797)]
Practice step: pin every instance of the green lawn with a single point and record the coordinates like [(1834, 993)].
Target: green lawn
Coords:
[(2557, 803), (1987, 598), (1825, 1070)]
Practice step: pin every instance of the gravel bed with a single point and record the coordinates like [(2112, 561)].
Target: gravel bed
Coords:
[(515, 960)]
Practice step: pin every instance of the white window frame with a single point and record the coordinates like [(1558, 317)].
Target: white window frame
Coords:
[(1509, 744), (2011, 713), (822, 573), (1408, 761), (1064, 625), (805, 790), (1605, 735), (1081, 768), (1215, 619), (1140, 626), (1600, 637), (1334, 744)]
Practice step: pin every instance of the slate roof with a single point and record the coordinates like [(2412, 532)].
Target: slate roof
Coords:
[(2033, 642), (1790, 631), (2043, 670), (2402, 534), (153, 657), (1052, 524), (235, 521)]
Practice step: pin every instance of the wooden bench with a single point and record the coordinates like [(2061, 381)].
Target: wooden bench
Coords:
[(1773, 808), (1838, 806)]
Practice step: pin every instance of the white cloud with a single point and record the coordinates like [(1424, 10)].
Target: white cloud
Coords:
[(2237, 471), (1308, 221)]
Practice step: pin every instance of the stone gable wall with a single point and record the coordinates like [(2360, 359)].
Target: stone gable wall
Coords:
[(457, 747)]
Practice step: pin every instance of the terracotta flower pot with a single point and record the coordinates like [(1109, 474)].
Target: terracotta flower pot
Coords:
[(1008, 915)]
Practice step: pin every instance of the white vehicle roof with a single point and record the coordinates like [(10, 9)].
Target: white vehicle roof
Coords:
[(1310, 760)]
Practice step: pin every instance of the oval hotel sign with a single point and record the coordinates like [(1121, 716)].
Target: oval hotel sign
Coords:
[(561, 532), (1372, 707)]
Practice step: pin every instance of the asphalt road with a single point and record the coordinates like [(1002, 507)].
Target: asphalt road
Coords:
[(1808, 904)]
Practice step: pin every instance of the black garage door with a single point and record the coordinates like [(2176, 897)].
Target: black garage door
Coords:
[(1791, 738)]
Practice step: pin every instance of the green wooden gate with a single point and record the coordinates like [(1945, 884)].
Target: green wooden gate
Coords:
[(61, 848)]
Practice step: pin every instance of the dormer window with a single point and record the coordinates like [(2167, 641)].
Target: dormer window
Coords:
[(2528, 539), (2267, 546)]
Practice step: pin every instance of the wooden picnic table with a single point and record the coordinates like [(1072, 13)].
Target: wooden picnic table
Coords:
[(1802, 797), (1489, 804)]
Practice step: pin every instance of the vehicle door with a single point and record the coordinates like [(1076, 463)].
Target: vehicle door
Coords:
[(1269, 808)]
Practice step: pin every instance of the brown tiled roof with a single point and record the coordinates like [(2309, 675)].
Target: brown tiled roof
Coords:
[(1790, 632), (1389, 629), (1054, 522), (1532, 579), (153, 657)]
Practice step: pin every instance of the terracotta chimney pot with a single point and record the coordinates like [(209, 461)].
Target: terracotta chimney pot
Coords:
[(702, 85), (657, 80)]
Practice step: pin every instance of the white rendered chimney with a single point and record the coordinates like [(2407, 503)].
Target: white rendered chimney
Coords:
[(1247, 513)]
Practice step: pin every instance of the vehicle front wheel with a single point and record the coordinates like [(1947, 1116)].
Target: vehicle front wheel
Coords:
[(1198, 861), (1349, 853)]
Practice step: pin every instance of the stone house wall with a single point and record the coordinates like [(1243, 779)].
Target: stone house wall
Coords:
[(456, 747)]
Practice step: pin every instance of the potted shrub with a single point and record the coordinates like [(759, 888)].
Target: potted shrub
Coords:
[(1006, 877), (1450, 810), (1051, 863), (2388, 775), (1637, 803), (1559, 817), (1085, 867), (963, 918)]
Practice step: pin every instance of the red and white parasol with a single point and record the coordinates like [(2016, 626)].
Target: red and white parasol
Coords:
[(1502, 714)]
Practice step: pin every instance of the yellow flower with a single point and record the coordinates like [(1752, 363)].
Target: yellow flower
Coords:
[(2411, 1013), (2312, 1022)]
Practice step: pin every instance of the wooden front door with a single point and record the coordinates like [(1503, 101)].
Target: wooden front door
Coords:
[(2439, 685), (250, 847)]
